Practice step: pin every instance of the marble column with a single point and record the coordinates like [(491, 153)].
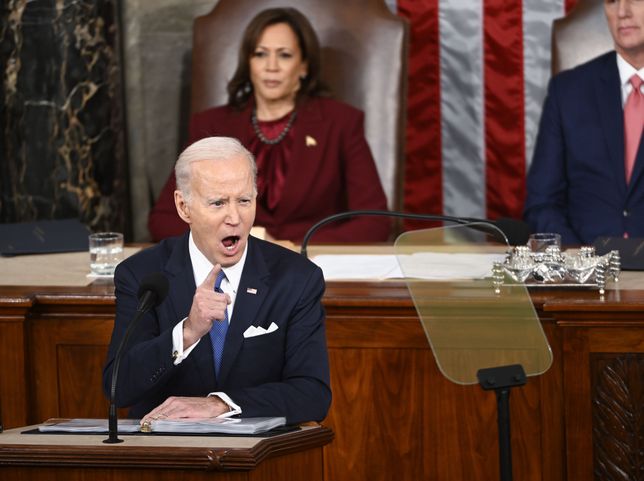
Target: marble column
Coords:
[(157, 46), (62, 129)]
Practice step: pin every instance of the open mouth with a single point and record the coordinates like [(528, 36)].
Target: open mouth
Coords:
[(230, 242)]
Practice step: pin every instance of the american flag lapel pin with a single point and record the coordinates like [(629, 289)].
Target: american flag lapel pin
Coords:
[(251, 290)]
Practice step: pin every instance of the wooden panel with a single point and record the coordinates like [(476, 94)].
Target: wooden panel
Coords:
[(106, 474), (79, 367), (359, 331), (66, 373), (376, 414), (293, 456), (593, 359), (462, 425), (303, 466), (13, 363), (579, 448), (289, 469), (617, 399), (551, 383)]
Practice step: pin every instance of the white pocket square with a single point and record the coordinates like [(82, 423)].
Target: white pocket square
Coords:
[(254, 331)]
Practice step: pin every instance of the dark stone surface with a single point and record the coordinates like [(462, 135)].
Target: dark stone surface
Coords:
[(62, 149)]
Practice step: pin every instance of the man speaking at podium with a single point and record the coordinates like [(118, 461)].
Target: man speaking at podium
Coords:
[(242, 329)]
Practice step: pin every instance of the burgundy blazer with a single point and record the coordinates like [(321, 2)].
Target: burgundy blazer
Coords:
[(332, 171)]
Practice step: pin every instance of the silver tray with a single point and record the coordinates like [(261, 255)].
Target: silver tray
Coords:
[(554, 268)]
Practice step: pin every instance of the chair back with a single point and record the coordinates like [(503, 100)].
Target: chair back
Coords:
[(581, 35), (364, 62)]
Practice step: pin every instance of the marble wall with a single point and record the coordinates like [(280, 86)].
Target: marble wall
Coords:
[(95, 103), (157, 59), (62, 135)]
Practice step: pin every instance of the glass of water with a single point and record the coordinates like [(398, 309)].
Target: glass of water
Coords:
[(105, 252), (541, 241)]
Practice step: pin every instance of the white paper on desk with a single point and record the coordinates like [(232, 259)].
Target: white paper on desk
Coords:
[(359, 266), (420, 265), (439, 266), (88, 425)]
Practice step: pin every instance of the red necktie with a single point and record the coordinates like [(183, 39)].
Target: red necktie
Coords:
[(633, 123)]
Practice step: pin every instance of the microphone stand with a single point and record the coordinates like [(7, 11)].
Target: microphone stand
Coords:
[(388, 213), (147, 301)]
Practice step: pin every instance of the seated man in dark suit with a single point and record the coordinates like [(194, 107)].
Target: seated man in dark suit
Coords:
[(586, 178), (176, 364)]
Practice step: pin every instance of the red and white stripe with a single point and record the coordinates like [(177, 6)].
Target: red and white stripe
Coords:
[(478, 72)]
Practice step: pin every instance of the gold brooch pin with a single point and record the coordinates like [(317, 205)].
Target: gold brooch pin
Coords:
[(310, 141)]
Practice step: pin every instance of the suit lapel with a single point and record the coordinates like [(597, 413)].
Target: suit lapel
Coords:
[(253, 290), (178, 269), (309, 147), (638, 169), (609, 101)]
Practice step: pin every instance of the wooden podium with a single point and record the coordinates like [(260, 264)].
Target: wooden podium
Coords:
[(291, 456)]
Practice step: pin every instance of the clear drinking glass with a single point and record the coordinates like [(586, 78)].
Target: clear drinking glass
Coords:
[(105, 252), (539, 242)]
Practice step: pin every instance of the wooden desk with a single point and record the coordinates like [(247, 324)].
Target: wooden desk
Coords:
[(293, 456), (393, 414)]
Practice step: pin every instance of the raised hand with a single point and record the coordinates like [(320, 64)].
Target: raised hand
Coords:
[(208, 306)]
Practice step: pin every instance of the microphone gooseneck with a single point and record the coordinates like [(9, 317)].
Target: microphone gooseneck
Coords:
[(387, 213), (152, 291)]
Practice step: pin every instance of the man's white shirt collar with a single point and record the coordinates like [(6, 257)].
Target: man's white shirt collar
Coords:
[(626, 71)]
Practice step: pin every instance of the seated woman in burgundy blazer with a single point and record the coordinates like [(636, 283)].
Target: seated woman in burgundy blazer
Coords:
[(312, 156)]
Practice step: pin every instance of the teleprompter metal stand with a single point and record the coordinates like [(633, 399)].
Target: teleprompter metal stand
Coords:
[(502, 379), (478, 332)]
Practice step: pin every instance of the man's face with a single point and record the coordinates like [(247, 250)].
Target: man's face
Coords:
[(221, 208), (626, 23)]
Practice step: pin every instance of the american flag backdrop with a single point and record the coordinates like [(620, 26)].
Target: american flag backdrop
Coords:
[(478, 72)]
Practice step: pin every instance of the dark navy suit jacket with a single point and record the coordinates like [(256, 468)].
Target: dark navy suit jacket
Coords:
[(576, 184), (284, 373)]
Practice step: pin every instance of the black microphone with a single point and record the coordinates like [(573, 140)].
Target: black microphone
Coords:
[(516, 231), (152, 291), (392, 213)]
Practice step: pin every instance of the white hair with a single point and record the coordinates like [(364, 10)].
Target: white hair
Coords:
[(214, 149)]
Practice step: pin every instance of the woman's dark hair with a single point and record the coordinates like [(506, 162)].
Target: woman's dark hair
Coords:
[(240, 88)]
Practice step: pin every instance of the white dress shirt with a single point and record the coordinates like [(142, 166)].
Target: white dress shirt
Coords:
[(201, 267)]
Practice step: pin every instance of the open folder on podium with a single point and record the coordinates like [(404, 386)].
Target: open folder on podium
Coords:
[(240, 426)]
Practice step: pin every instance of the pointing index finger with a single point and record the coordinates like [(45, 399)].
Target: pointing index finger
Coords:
[(211, 278)]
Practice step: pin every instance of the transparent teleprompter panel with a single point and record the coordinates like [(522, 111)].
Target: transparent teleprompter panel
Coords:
[(468, 324)]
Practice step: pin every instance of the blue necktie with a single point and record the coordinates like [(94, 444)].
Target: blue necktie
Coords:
[(218, 329)]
